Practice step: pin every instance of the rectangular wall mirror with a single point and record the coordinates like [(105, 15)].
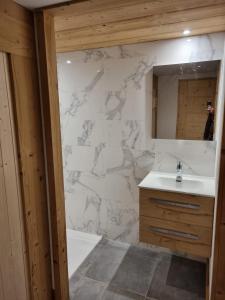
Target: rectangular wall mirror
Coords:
[(184, 101)]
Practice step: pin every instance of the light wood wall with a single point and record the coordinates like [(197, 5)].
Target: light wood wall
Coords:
[(104, 23), (32, 171), (18, 41), (16, 26), (13, 259)]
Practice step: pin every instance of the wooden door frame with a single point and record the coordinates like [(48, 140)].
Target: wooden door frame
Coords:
[(50, 105), (44, 23)]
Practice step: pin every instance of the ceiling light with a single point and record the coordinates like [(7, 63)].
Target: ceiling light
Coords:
[(189, 40), (68, 61), (186, 32)]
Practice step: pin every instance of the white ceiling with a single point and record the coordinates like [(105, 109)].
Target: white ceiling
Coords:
[(32, 4)]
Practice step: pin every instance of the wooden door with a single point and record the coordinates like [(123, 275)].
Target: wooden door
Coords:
[(193, 95), (218, 283), (13, 260)]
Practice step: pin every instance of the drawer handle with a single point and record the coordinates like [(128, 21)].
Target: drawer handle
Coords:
[(171, 232), (175, 204)]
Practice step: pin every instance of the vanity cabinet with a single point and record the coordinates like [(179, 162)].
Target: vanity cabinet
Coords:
[(180, 222)]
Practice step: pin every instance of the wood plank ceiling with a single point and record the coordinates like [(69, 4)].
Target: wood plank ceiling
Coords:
[(104, 23)]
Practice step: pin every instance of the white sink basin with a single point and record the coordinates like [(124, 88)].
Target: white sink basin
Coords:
[(191, 184), (186, 183)]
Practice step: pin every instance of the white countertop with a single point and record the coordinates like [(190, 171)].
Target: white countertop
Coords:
[(191, 184)]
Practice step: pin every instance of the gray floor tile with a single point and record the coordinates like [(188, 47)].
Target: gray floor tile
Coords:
[(136, 271), (115, 294), (158, 282), (92, 257), (169, 281), (105, 264), (172, 293), (115, 271), (82, 288), (188, 275)]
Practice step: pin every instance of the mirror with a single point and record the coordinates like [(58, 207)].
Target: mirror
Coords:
[(184, 101)]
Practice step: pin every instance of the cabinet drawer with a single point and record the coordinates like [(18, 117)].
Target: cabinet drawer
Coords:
[(188, 238), (196, 210)]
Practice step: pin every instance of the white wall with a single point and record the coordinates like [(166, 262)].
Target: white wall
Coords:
[(167, 107), (106, 118)]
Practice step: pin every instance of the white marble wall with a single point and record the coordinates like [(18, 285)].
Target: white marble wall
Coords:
[(105, 119)]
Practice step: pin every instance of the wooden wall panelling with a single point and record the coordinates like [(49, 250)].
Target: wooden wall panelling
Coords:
[(85, 26), (32, 171), (131, 17), (67, 42), (50, 106), (17, 39), (6, 271), (117, 9), (193, 95), (16, 27), (12, 243)]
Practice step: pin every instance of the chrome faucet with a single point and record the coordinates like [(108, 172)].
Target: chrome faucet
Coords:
[(179, 177)]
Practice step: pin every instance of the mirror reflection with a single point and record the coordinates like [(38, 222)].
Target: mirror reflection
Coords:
[(184, 101)]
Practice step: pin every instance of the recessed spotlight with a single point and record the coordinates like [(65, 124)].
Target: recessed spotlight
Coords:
[(188, 40), (186, 32), (68, 61)]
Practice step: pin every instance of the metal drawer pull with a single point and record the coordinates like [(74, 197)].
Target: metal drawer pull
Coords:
[(174, 233), (175, 204)]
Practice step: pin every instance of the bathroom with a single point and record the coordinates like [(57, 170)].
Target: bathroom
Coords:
[(109, 147), (112, 150)]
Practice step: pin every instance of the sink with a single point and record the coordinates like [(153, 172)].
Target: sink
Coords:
[(191, 184), (186, 183)]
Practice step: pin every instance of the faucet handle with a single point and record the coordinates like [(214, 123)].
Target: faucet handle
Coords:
[(179, 165)]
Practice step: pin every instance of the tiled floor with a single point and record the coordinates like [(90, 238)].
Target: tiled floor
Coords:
[(117, 271)]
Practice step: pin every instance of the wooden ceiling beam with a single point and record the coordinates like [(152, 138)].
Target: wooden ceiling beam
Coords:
[(125, 10), (141, 35), (76, 8), (155, 27), (143, 23), (104, 23)]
